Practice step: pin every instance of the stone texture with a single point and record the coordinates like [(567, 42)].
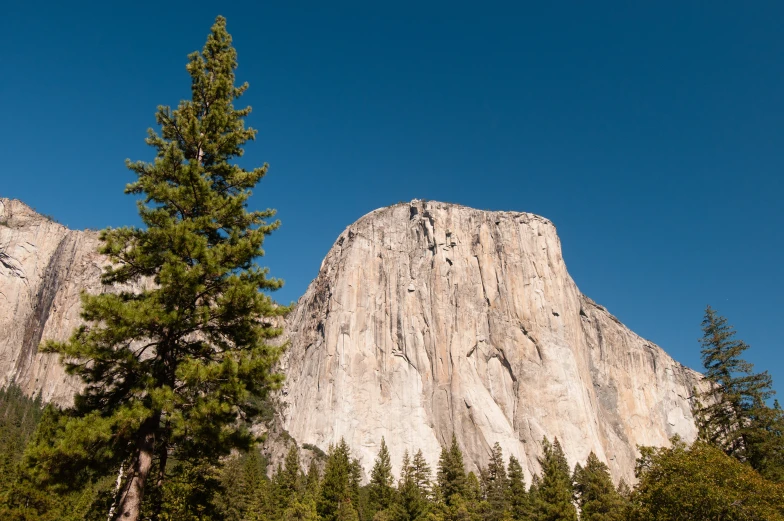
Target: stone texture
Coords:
[(425, 319), (429, 318), (43, 268)]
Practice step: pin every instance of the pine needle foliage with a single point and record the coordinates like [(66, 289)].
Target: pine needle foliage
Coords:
[(595, 493), (552, 500), (451, 473), (175, 359), (381, 486), (733, 413)]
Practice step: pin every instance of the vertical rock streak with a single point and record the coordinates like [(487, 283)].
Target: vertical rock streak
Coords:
[(57, 269)]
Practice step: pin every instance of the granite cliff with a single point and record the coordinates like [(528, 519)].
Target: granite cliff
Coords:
[(426, 319)]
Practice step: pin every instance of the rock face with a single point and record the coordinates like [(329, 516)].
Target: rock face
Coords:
[(429, 319), (426, 319), (43, 268)]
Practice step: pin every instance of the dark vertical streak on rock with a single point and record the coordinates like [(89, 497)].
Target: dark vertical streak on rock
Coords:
[(57, 270)]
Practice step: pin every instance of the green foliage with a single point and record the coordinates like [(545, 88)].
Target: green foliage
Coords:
[(381, 486), (176, 369), (338, 487), (19, 416), (287, 484), (304, 510), (244, 488), (552, 500), (320, 454), (413, 487), (733, 414), (517, 495), (451, 472), (595, 493), (701, 482), (495, 486), (312, 479)]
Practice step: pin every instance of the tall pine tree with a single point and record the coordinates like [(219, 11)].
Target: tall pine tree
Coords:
[(494, 485), (381, 486), (413, 487), (733, 414), (337, 498), (517, 496), (451, 472), (553, 494), (176, 368), (595, 493)]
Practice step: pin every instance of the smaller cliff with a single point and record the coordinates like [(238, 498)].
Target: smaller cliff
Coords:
[(44, 267)]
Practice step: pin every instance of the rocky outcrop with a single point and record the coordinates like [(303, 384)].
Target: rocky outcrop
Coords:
[(44, 267), (429, 319), (426, 319)]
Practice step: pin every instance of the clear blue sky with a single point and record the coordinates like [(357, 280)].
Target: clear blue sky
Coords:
[(650, 133)]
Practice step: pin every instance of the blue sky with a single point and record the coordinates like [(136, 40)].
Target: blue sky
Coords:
[(650, 133)]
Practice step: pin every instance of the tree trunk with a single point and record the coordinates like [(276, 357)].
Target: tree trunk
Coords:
[(131, 500), (163, 457)]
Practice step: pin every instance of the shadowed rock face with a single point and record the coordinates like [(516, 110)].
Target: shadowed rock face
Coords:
[(429, 318), (425, 319)]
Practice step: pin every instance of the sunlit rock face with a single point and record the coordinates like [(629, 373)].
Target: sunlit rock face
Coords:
[(43, 268), (429, 319), (426, 319)]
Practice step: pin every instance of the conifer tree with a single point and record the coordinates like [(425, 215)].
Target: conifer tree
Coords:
[(421, 474), (286, 481), (304, 510), (335, 498), (413, 487), (451, 472), (595, 493), (176, 368), (517, 496), (494, 485), (381, 481), (472, 496), (357, 493), (553, 496), (312, 480), (733, 414), (767, 442)]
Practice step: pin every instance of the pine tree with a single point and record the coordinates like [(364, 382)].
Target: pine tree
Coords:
[(494, 485), (553, 496), (733, 414), (517, 496), (451, 472), (595, 493), (287, 483), (381, 481), (175, 369), (304, 510), (336, 487), (765, 440), (312, 480), (469, 505), (413, 487), (421, 474)]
